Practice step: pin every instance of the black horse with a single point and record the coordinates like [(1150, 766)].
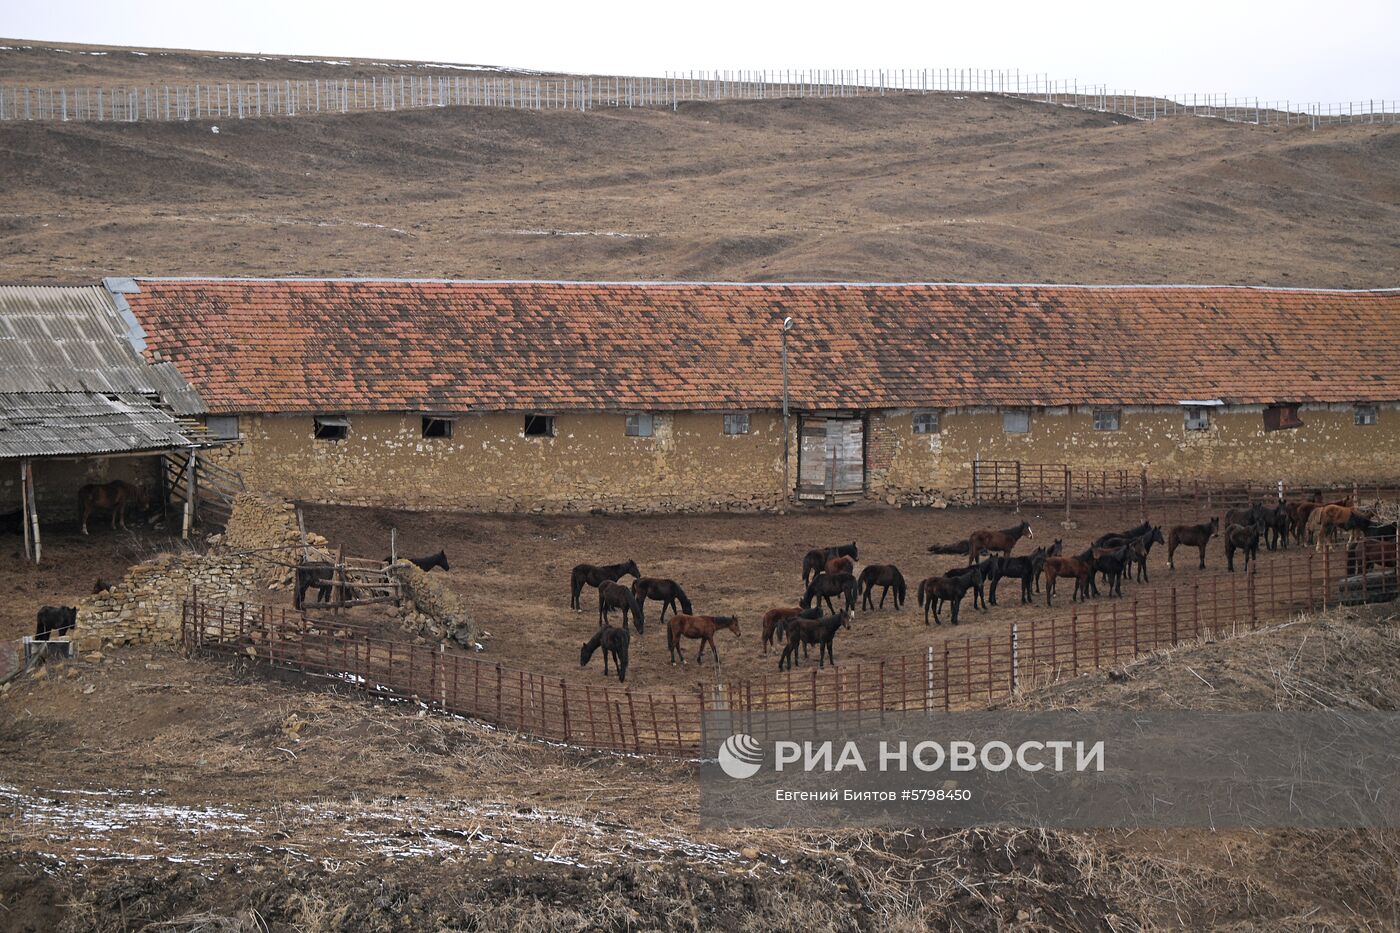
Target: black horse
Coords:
[(593, 576), (666, 592), (1136, 531), (815, 560), (935, 591), (322, 576), (1114, 562), (55, 621), (825, 585), (614, 642), (1242, 538), (1025, 568), (427, 563), (822, 632), (1138, 556), (885, 576), (979, 593), (616, 596)]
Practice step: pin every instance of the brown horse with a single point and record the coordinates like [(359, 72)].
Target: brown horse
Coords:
[(1080, 568), (1244, 538), (1300, 512), (1326, 520), (701, 628), (775, 622), (115, 497), (1197, 536), (839, 565), (1003, 541), (820, 632), (815, 559)]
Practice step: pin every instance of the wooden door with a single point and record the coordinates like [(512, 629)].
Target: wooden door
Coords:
[(831, 459)]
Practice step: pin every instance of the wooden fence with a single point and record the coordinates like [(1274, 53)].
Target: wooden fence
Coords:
[(961, 673), (237, 100)]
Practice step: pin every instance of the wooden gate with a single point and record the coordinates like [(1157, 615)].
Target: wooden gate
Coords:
[(831, 459)]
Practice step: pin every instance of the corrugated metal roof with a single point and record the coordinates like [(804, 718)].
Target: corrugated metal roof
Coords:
[(73, 383)]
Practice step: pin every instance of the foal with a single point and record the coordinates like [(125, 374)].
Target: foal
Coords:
[(1191, 536), (820, 632), (776, 621), (824, 586), (934, 591), (614, 642), (701, 628)]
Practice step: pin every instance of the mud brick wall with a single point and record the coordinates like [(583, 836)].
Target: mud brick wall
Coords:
[(56, 484), (145, 606)]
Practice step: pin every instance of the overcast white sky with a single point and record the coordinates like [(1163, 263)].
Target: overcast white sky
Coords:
[(1341, 50)]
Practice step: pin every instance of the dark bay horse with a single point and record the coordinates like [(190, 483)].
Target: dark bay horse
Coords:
[(614, 642), (115, 497), (667, 592), (426, 564), (1241, 538), (934, 591), (821, 632), (979, 595), (989, 541), (1197, 536), (1136, 531), (616, 596), (593, 576), (1024, 568), (824, 586), (322, 576), (815, 560), (887, 577), (775, 622), (1137, 556), (699, 628)]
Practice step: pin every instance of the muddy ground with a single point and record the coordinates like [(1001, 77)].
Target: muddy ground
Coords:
[(142, 788), (512, 573)]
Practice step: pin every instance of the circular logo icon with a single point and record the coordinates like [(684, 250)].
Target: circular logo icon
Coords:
[(740, 756)]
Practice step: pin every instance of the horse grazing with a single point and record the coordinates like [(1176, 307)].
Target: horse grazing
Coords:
[(1197, 536), (114, 497), (775, 622), (884, 576), (426, 564), (935, 591), (1081, 567), (614, 642), (1025, 568), (55, 621), (839, 565), (667, 592), (616, 596), (989, 541), (824, 586), (815, 560), (593, 576), (1241, 538), (701, 628), (821, 632)]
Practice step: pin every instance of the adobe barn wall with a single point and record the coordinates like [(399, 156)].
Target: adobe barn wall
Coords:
[(1328, 447), (488, 463)]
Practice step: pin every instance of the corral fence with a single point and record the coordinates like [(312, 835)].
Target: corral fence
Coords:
[(237, 100), (1135, 494), (960, 673)]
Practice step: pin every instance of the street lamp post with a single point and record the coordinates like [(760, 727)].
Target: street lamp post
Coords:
[(787, 442)]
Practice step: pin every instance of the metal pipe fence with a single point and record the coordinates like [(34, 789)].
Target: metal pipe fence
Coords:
[(230, 100), (960, 673)]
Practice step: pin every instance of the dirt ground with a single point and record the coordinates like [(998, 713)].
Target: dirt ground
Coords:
[(512, 573), (937, 187), (142, 788)]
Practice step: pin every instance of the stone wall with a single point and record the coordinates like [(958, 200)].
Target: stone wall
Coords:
[(145, 606), (431, 609)]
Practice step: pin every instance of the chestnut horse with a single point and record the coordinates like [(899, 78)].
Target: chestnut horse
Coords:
[(1327, 520), (839, 565), (701, 628), (1191, 536), (816, 558), (1003, 541), (1081, 568), (115, 497)]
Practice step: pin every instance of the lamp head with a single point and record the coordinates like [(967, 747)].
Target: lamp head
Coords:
[(787, 324)]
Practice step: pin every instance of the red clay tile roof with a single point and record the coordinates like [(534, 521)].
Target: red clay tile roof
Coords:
[(395, 345)]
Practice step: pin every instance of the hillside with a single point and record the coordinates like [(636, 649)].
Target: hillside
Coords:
[(936, 187)]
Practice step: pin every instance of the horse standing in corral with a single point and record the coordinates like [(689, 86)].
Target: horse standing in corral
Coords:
[(815, 560), (700, 628), (839, 565), (115, 497), (935, 591), (1113, 563), (887, 577), (1377, 548), (1113, 538), (1299, 514), (821, 632), (667, 592), (1327, 520), (984, 569), (1080, 567), (824, 586), (322, 576), (593, 576), (426, 564), (55, 622), (1241, 538), (989, 541), (775, 622), (616, 596), (1197, 536), (1025, 568), (614, 642)]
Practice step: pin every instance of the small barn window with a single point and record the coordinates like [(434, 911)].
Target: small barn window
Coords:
[(1197, 419), (1281, 418), (539, 425), (639, 425), (1106, 419), (437, 427), (223, 427), (1365, 414), (736, 424), (1016, 421), (926, 422), (332, 427)]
